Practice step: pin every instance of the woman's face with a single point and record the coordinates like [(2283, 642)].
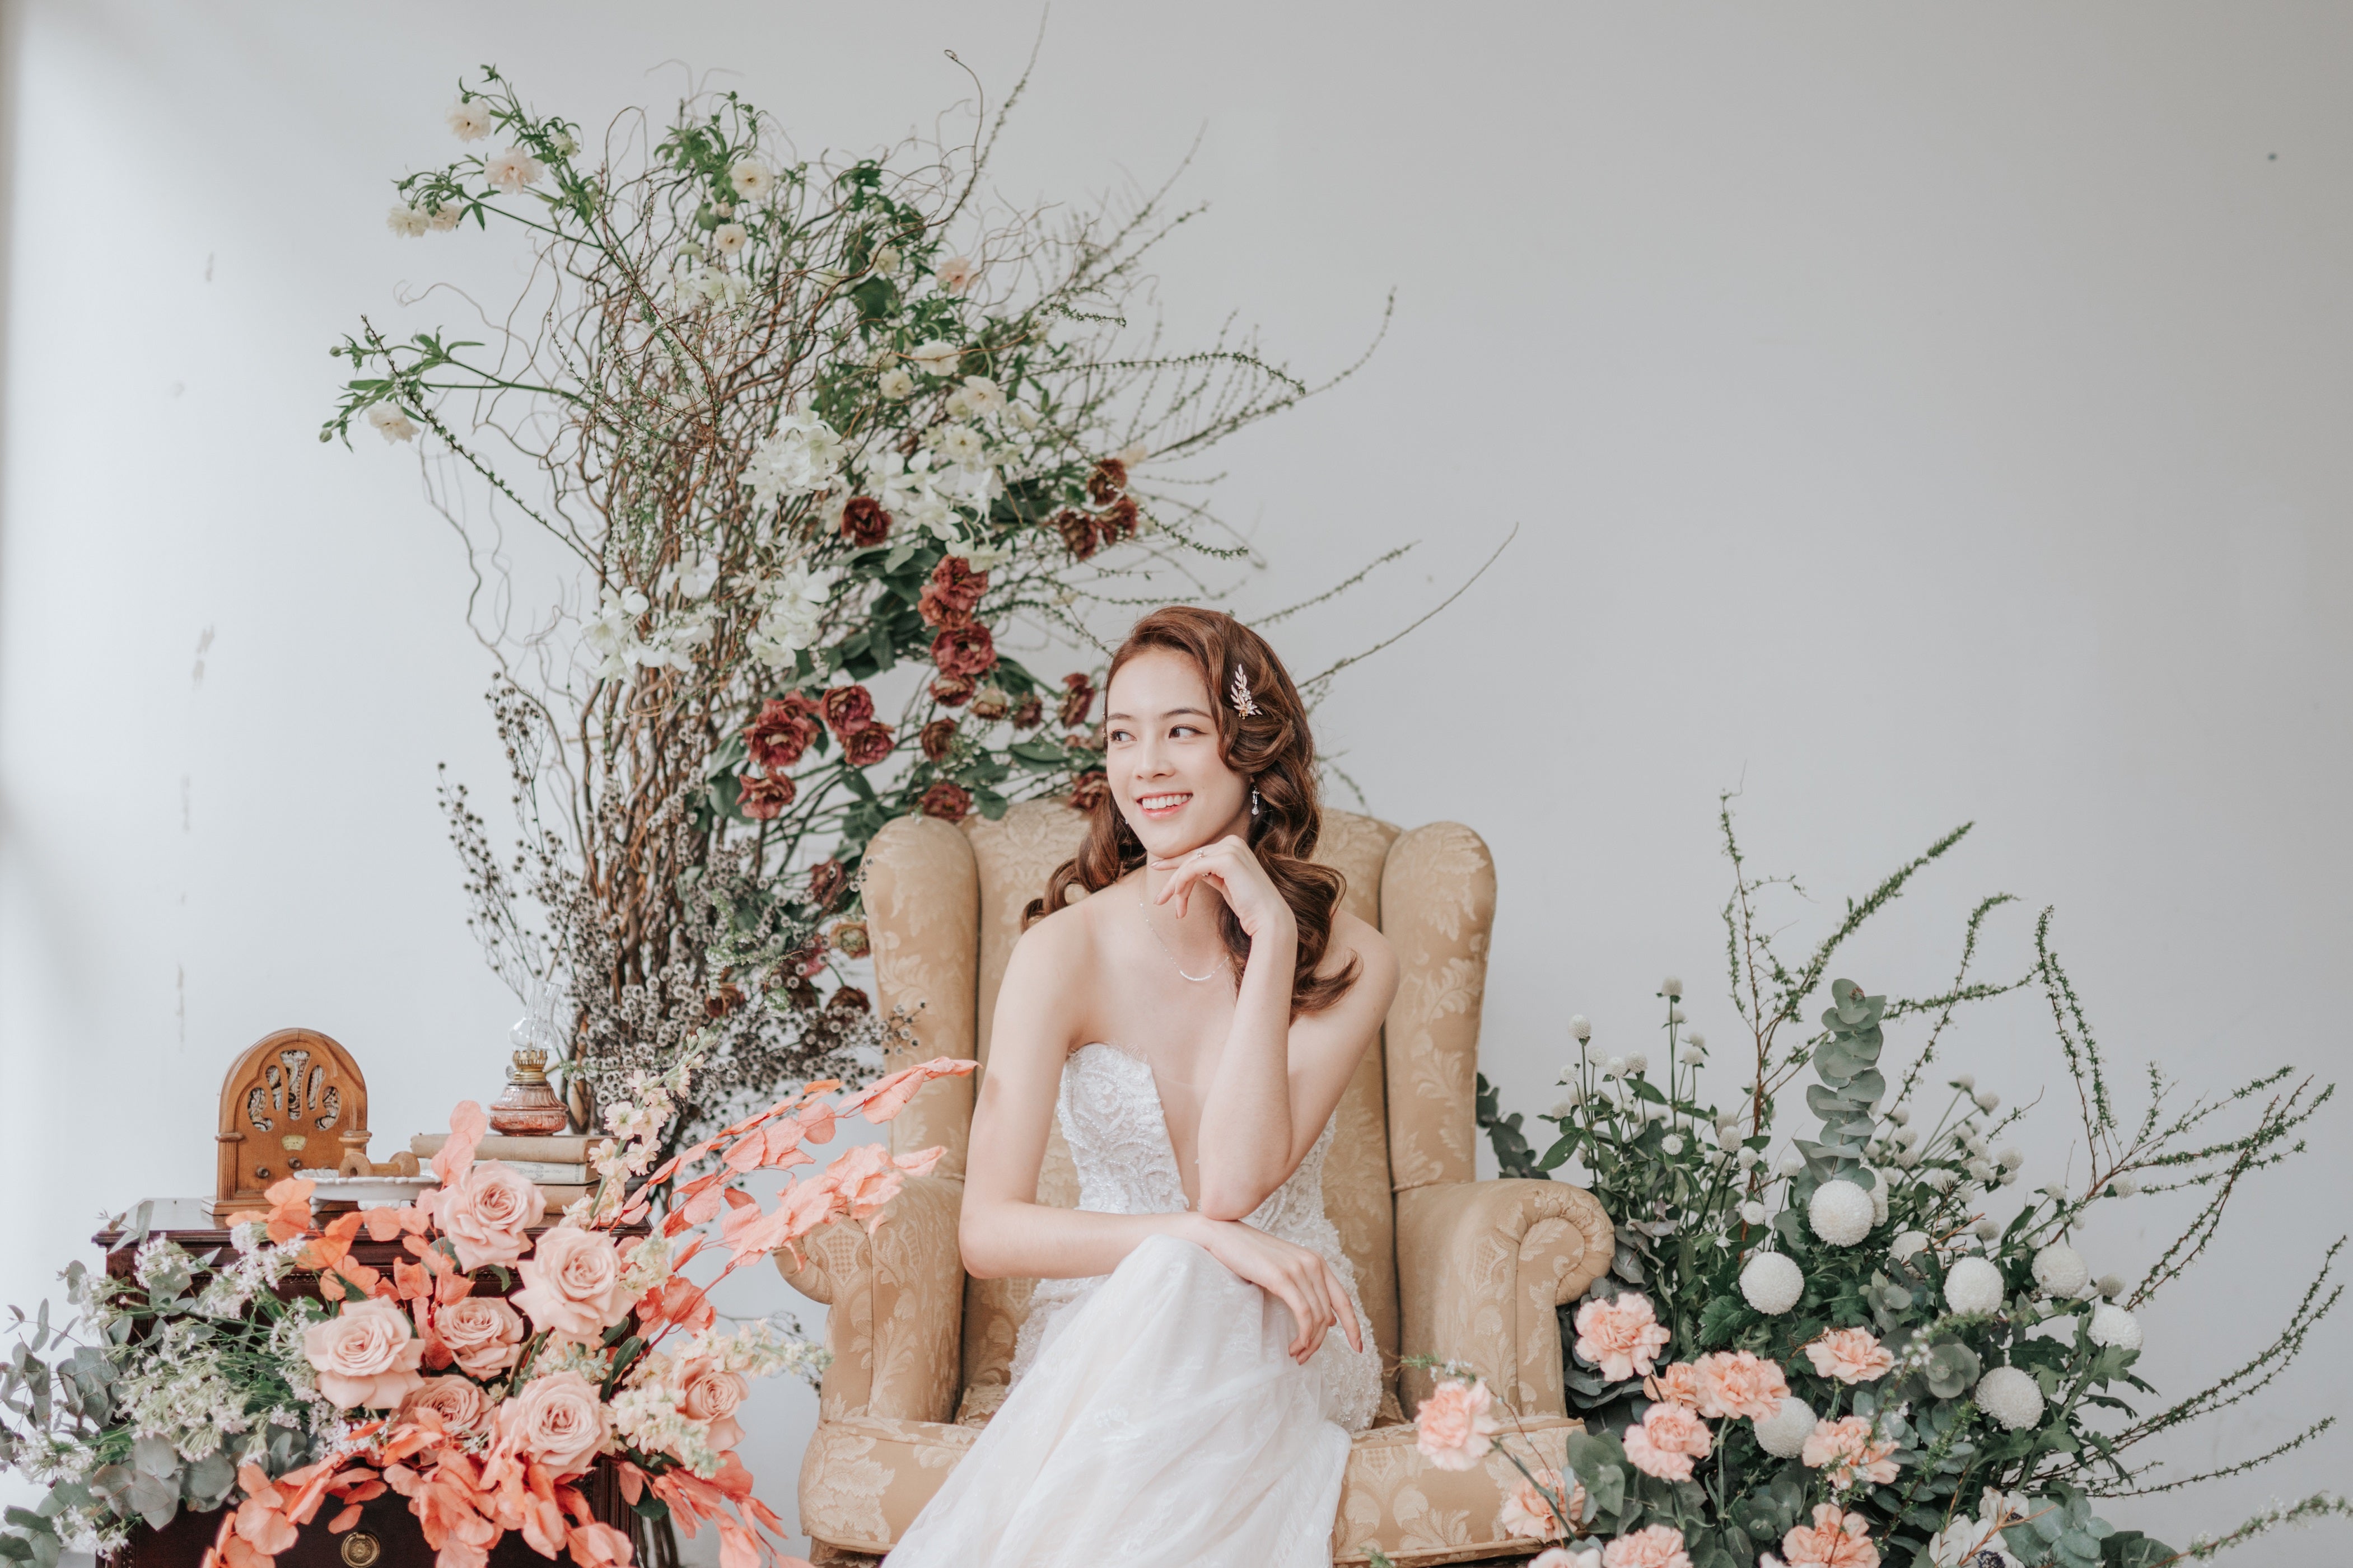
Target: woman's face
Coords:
[(1160, 730)]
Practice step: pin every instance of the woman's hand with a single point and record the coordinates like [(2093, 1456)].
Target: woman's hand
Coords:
[(1228, 866), (1299, 1277)]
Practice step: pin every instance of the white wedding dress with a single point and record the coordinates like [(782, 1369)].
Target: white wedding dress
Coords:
[(1155, 1417)]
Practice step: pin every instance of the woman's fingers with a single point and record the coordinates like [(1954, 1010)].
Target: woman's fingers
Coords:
[(1344, 1313)]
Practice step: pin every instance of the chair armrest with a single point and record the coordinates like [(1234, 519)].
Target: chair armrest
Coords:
[(1481, 1267), (895, 1324)]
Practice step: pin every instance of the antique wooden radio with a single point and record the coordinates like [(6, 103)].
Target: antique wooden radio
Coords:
[(295, 1100)]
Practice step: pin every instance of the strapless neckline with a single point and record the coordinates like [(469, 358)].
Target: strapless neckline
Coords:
[(1167, 1140)]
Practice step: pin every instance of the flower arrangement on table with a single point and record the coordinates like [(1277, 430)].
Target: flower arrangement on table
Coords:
[(200, 1386), (1843, 1354), (793, 460)]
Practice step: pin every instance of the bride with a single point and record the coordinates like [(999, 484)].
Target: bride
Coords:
[(1190, 1005)]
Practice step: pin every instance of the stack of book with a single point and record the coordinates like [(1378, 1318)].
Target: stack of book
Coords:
[(558, 1165)]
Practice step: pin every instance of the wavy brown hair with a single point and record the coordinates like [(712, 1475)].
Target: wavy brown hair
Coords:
[(1274, 749)]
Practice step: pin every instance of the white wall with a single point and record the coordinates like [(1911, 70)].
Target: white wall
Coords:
[(1910, 416)]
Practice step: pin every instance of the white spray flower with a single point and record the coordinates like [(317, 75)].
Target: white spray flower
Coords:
[(2060, 1269), (470, 120), (1899, 1115), (730, 239), (935, 357), (1973, 1287), (1839, 1212), (1771, 1282), (1697, 1040), (895, 383), (444, 218), (392, 422), (2114, 1328), (2011, 1397), (407, 221), (753, 179), (511, 169), (802, 456), (1987, 1228), (2009, 1158), (1613, 1067)]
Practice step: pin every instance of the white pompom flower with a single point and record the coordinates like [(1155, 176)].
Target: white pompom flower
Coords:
[(2113, 1328), (1636, 1063), (1772, 1282), (1910, 1244), (1783, 1433), (2060, 1271), (1841, 1213), (2010, 1397), (1973, 1287), (1671, 985)]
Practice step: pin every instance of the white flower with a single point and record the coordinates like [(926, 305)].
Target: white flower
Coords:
[(511, 169), (1613, 1067), (729, 238), (1980, 1170), (1675, 1015), (1966, 1082), (752, 179), (802, 456), (895, 383), (1839, 1212), (1671, 987), (2109, 1285), (2011, 1397), (1562, 1557), (1908, 1244), (1987, 1228), (1942, 1180), (2112, 1326), (1973, 1286), (789, 621), (1989, 1101), (935, 358), (983, 395), (2122, 1187), (1791, 1164), (1576, 1095), (407, 221), (886, 261), (958, 443), (956, 274), (693, 578), (2060, 1269), (1580, 1027), (1672, 1143), (2009, 1158), (1749, 1159), (1637, 1064), (1771, 1282), (1690, 1056), (392, 421), (1697, 1041), (1783, 1433), (470, 120), (1899, 1115), (444, 218), (1753, 1212), (1561, 1108), (1968, 1543)]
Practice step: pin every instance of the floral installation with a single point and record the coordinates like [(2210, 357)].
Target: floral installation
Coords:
[(1863, 1342), (808, 440), (208, 1383)]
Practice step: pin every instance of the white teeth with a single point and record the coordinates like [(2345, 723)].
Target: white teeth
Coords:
[(1156, 802)]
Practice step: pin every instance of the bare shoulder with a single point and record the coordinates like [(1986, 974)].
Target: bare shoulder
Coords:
[(1360, 939), (1057, 945)]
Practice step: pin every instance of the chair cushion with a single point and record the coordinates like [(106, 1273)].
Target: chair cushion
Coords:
[(864, 1478)]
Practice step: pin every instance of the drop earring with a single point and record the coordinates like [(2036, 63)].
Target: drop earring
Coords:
[(1253, 800)]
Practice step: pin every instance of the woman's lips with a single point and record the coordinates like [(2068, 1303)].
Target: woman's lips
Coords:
[(1162, 803)]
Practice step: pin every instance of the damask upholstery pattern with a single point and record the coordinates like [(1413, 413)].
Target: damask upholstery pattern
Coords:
[(1446, 1265)]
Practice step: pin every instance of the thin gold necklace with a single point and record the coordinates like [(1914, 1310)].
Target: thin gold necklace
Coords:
[(1170, 951)]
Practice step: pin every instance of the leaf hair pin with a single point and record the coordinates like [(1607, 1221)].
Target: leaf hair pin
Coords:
[(1239, 696)]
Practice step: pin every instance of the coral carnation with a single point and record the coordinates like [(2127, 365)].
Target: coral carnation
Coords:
[(1529, 1511), (1455, 1424), (1851, 1355), (1739, 1383), (1654, 1546), (1848, 1448), (1833, 1541), (1669, 1438), (1623, 1337), (1676, 1385)]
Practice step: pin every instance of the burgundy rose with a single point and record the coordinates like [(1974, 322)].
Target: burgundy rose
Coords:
[(1089, 791), (948, 801), (763, 795), (1118, 522), (1084, 739), (851, 999), (953, 594), (1079, 699), (968, 651), (847, 709), (782, 732), (938, 737), (951, 691), (864, 522), (1078, 531), (864, 748), (1031, 714), (1109, 478), (827, 879), (723, 1001)]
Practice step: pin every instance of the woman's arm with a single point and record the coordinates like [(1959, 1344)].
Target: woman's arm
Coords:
[(1004, 1231)]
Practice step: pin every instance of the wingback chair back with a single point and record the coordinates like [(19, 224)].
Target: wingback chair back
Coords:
[(944, 909)]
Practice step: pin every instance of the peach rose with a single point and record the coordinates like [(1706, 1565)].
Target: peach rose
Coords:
[(1654, 1546), (483, 1332), (557, 1420), (1851, 1355), (1623, 1337), (1529, 1511), (710, 1395), (572, 1285), (1667, 1439), (1832, 1541), (1456, 1427), (1676, 1385), (455, 1400), (367, 1354), (1740, 1382), (485, 1212), (1846, 1445)]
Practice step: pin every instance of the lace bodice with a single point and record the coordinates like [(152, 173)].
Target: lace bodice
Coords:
[(1109, 1110)]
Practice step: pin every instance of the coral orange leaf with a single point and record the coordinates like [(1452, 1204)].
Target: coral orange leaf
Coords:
[(467, 1123), (290, 1207)]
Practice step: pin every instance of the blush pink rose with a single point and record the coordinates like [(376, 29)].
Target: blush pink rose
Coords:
[(458, 1401), (1669, 1438), (1846, 1445), (1455, 1424), (483, 1332), (557, 1419), (1654, 1546), (1742, 1384), (1832, 1541), (572, 1285), (1623, 1337), (1529, 1511), (366, 1354), (710, 1395), (485, 1212), (1851, 1355)]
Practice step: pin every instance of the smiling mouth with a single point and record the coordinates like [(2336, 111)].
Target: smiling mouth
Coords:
[(1160, 804)]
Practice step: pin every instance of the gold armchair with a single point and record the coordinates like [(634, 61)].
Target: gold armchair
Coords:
[(1447, 1265)]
